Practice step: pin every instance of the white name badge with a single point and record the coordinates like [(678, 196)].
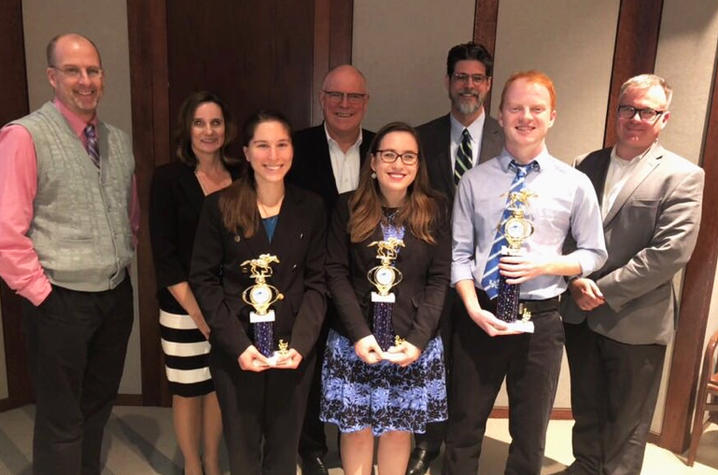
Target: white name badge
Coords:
[(256, 318)]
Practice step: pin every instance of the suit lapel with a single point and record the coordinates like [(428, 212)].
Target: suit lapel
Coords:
[(649, 163), (443, 158), (191, 187)]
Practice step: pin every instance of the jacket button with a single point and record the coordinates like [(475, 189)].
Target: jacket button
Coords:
[(237, 238), (301, 235), (294, 267)]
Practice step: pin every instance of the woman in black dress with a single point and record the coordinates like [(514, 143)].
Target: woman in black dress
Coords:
[(204, 130), (259, 223)]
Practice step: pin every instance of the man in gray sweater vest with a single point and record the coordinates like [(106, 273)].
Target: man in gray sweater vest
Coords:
[(67, 208)]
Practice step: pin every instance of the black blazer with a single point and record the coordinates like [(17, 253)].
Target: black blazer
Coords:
[(419, 296), (436, 140), (312, 166), (176, 199), (218, 280)]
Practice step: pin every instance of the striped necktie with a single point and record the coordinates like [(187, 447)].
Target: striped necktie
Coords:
[(463, 156), (491, 277), (93, 150)]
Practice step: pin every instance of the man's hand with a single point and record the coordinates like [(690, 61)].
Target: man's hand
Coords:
[(519, 269), (586, 294), (403, 354), (490, 324), (290, 361), (368, 350), (252, 360)]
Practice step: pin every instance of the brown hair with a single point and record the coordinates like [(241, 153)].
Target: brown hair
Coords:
[(183, 129), (238, 203), (421, 208)]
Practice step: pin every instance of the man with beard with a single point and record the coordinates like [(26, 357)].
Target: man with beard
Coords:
[(327, 159), (66, 238), (454, 143)]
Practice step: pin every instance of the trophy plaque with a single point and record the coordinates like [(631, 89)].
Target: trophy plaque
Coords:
[(385, 275), (516, 230)]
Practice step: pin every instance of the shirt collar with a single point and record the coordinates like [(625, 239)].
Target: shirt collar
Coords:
[(77, 124), (330, 140), (475, 128), (543, 159)]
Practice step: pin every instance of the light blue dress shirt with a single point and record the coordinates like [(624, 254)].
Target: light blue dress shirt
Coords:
[(564, 202)]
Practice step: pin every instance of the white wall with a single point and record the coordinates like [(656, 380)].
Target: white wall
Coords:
[(105, 22)]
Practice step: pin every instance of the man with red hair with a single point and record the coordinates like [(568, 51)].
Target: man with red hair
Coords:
[(558, 201)]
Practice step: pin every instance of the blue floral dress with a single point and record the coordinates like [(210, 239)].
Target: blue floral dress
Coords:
[(383, 396)]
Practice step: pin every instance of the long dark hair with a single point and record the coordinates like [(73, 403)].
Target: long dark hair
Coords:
[(420, 210), (183, 129), (238, 203)]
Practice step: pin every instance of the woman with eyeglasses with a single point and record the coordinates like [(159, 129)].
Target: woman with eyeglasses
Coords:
[(383, 374), (203, 134), (257, 239)]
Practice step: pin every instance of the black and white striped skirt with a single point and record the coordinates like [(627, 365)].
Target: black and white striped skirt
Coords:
[(186, 355)]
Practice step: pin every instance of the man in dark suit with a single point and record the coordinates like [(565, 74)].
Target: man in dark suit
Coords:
[(619, 319), (327, 159), (466, 133)]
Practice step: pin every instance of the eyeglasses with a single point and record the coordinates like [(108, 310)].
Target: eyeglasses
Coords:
[(390, 156), (354, 98), (646, 114), (477, 78), (74, 72)]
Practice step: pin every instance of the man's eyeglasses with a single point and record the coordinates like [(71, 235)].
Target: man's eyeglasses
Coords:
[(646, 114), (354, 98), (74, 72), (390, 156), (463, 77)]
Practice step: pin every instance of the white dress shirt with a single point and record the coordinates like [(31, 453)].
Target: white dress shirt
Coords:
[(345, 166)]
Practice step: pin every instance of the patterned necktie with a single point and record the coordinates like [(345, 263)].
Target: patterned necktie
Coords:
[(490, 279), (93, 150), (463, 156)]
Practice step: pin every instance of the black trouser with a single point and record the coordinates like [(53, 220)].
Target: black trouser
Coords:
[(262, 414), (313, 441), (77, 343), (530, 363), (614, 388), (436, 431)]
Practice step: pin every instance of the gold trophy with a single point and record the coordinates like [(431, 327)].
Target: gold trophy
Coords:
[(385, 276), (261, 295), (516, 230)]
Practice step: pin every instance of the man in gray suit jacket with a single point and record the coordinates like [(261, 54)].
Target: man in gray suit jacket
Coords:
[(468, 81), (619, 320)]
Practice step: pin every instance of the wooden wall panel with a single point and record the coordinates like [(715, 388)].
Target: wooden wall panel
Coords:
[(634, 53), (485, 20), (695, 299), (13, 104)]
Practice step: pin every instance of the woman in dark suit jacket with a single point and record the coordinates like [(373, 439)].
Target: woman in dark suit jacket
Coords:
[(372, 384), (261, 398), (204, 131)]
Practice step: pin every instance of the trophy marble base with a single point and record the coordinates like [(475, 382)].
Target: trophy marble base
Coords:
[(391, 298), (522, 326), (254, 317), (271, 361)]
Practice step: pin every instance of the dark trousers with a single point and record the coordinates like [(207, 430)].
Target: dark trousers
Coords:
[(436, 431), (313, 440), (614, 388), (530, 363), (262, 414), (77, 343)]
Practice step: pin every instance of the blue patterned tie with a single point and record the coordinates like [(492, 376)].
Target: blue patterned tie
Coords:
[(93, 150), (463, 156), (490, 279)]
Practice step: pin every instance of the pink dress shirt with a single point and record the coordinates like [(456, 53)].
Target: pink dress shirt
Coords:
[(19, 264)]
